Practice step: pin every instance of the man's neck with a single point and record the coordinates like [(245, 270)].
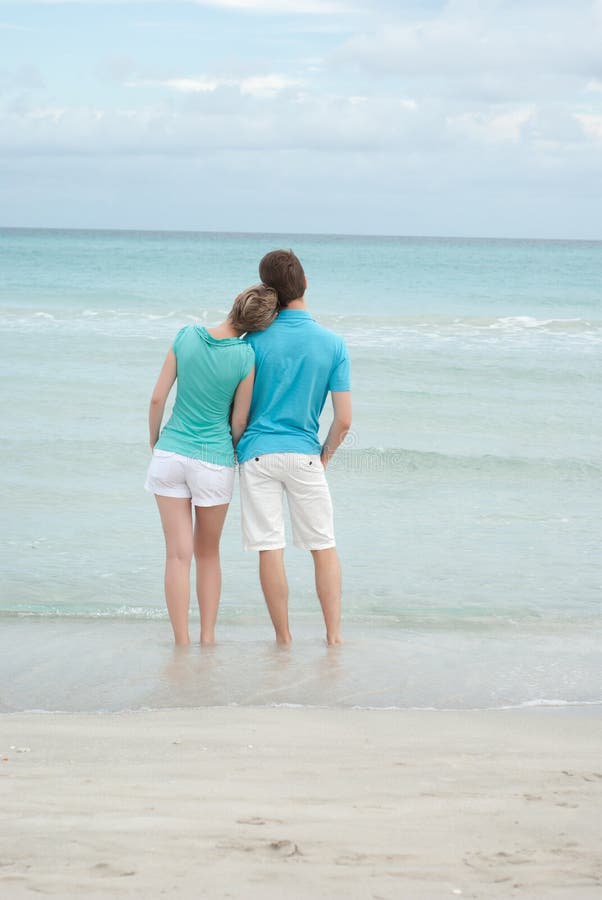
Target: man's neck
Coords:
[(299, 303)]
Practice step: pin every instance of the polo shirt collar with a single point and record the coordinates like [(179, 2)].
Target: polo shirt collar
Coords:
[(304, 313)]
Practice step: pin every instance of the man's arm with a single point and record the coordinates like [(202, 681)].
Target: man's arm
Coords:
[(341, 423), (162, 388)]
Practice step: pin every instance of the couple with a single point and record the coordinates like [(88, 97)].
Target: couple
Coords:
[(261, 396)]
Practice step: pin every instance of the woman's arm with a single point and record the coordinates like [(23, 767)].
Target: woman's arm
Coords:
[(241, 406), (160, 393)]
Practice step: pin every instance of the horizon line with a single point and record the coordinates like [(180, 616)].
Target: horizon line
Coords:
[(297, 234)]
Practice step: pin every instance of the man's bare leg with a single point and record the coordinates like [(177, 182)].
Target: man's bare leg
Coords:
[(275, 590), (328, 586)]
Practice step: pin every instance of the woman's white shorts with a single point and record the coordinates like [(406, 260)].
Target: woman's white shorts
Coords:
[(172, 475)]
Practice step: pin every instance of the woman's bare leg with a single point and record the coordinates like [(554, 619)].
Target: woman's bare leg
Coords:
[(208, 525), (176, 518)]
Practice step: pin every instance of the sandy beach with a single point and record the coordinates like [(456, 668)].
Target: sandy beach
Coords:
[(303, 803)]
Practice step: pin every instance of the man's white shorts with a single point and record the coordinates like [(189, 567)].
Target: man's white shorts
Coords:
[(263, 482), (173, 475)]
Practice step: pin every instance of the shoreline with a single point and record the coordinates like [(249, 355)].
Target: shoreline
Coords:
[(584, 708), (250, 802), (114, 666)]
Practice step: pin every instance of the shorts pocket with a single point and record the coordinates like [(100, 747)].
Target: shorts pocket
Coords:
[(313, 464)]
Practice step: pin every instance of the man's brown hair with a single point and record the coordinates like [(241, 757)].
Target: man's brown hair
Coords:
[(281, 270), (254, 309)]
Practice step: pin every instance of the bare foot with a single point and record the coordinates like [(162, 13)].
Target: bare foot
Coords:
[(182, 642), (333, 639)]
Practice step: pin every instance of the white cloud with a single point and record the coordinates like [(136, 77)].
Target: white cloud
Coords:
[(284, 7), (266, 85), (254, 85), (23, 78), (194, 125), (494, 128), (314, 7), (472, 48), (591, 124), (53, 113), (200, 118), (185, 85)]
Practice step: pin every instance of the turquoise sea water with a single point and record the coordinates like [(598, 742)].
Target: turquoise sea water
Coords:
[(468, 496)]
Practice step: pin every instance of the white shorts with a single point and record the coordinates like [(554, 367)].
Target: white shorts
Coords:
[(172, 475), (263, 482)]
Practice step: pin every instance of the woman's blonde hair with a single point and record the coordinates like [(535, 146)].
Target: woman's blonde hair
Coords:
[(254, 309)]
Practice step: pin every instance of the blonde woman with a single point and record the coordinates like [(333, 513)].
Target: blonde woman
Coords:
[(193, 456)]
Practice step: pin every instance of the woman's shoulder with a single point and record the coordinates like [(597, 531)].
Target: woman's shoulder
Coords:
[(181, 334)]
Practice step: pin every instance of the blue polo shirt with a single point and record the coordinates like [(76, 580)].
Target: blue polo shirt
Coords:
[(297, 362)]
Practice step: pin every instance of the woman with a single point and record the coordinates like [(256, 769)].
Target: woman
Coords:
[(193, 459)]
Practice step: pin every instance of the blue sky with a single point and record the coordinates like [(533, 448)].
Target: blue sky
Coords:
[(432, 118)]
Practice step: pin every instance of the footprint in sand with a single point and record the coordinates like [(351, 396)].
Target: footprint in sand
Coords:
[(515, 859), (351, 859), (258, 820), (589, 776), (284, 848), (478, 860), (106, 870)]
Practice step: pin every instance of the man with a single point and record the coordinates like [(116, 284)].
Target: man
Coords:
[(297, 363)]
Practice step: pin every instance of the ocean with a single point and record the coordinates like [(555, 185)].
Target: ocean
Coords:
[(467, 496)]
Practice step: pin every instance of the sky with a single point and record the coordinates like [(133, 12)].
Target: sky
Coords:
[(463, 118)]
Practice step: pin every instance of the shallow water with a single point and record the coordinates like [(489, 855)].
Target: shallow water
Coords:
[(82, 665)]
